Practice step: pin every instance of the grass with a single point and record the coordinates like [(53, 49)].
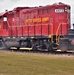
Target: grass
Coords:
[(14, 63)]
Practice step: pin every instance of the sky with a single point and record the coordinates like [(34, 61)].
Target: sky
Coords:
[(10, 4)]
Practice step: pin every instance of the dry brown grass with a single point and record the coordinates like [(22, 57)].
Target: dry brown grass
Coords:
[(16, 63)]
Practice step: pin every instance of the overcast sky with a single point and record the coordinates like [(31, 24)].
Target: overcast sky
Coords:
[(10, 4)]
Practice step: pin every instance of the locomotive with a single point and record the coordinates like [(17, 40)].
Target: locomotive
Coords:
[(37, 28)]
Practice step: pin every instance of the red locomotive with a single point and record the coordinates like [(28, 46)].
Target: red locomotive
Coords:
[(39, 28)]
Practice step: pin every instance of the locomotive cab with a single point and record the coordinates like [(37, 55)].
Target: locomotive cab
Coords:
[(3, 25)]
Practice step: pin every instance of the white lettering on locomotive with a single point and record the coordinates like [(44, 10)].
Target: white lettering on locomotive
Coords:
[(59, 10)]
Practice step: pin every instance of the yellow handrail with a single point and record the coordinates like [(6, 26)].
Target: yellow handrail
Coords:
[(52, 33), (57, 39), (57, 34)]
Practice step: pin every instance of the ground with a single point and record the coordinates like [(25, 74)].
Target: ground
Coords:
[(17, 63)]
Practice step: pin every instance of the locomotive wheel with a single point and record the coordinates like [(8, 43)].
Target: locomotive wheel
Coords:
[(2, 45), (49, 47), (43, 46), (26, 43), (34, 47), (46, 46)]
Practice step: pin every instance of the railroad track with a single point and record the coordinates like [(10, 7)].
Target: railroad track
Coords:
[(71, 53), (26, 50)]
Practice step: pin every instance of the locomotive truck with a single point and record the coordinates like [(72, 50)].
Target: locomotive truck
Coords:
[(37, 28)]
